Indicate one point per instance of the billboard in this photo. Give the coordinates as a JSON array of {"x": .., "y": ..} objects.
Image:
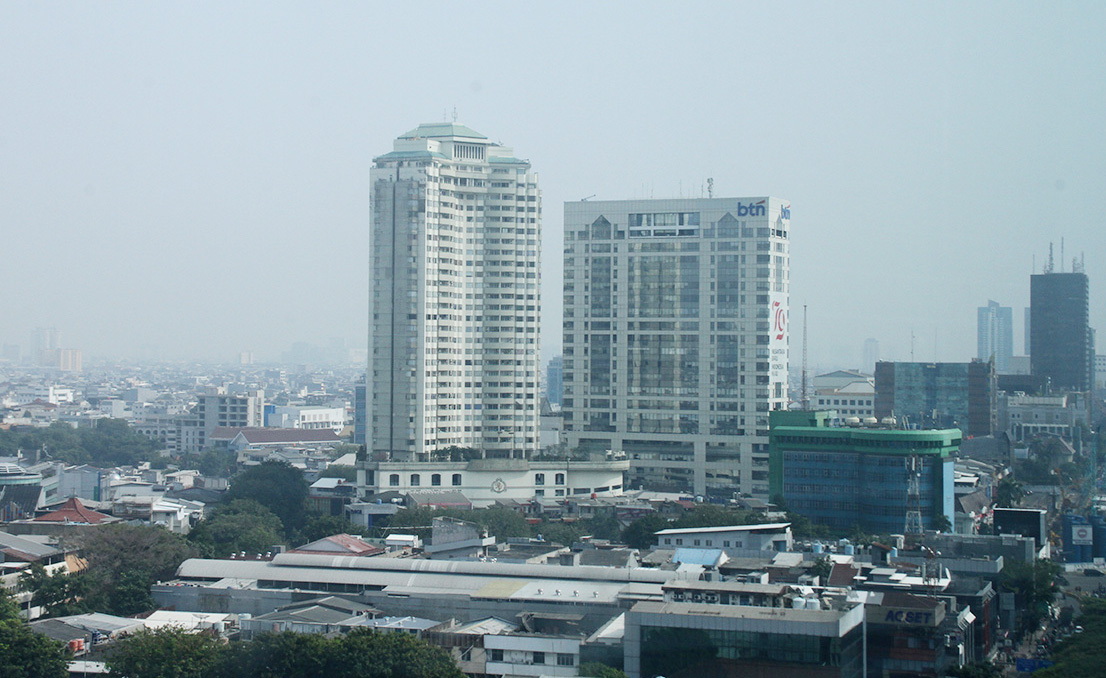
[{"x": 1082, "y": 535}]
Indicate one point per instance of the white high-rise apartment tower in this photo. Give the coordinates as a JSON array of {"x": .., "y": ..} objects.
[
  {"x": 454, "y": 297},
  {"x": 676, "y": 338}
]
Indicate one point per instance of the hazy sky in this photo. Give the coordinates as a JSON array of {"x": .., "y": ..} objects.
[{"x": 190, "y": 179}]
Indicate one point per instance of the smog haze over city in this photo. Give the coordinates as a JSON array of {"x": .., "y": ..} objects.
[{"x": 190, "y": 181}]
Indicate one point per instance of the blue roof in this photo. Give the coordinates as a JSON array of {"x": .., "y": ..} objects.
[
  {"x": 697, "y": 556},
  {"x": 442, "y": 129}
]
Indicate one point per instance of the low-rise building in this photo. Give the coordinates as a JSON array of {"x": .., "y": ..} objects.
[
  {"x": 486, "y": 481},
  {"x": 772, "y": 537}
]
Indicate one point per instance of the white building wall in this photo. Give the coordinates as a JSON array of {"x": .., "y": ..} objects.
[
  {"x": 308, "y": 418},
  {"x": 525, "y": 656},
  {"x": 483, "y": 482}
]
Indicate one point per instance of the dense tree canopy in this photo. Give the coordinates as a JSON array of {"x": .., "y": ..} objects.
[
  {"x": 277, "y": 486},
  {"x": 168, "y": 652},
  {"x": 105, "y": 443},
  {"x": 123, "y": 562},
  {"x": 1034, "y": 586},
  {"x": 1080, "y": 656},
  {"x": 240, "y": 525},
  {"x": 362, "y": 653},
  {"x": 24, "y": 653}
]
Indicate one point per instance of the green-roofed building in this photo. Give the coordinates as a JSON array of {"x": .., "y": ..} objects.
[{"x": 859, "y": 476}]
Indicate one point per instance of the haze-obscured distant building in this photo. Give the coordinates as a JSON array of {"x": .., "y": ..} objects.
[
  {"x": 995, "y": 335},
  {"x": 871, "y": 355},
  {"x": 1062, "y": 340},
  {"x": 938, "y": 395},
  {"x": 554, "y": 380}
]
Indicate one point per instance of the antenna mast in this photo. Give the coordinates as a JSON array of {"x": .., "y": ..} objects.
[
  {"x": 913, "y": 499},
  {"x": 805, "y": 399}
]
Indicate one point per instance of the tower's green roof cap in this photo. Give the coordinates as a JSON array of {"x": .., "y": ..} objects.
[{"x": 433, "y": 130}]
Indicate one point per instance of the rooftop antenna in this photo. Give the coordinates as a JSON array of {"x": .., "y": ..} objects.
[
  {"x": 587, "y": 198},
  {"x": 445, "y": 115},
  {"x": 1061, "y": 254},
  {"x": 913, "y": 499},
  {"x": 911, "y": 345},
  {"x": 454, "y": 114},
  {"x": 710, "y": 194},
  {"x": 1048, "y": 266},
  {"x": 805, "y": 399}
]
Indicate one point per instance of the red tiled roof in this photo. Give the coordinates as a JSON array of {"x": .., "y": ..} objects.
[{"x": 73, "y": 511}]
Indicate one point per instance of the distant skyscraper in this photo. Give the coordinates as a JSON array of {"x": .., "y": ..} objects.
[
  {"x": 871, "y": 355},
  {"x": 1028, "y": 326},
  {"x": 1062, "y": 341},
  {"x": 675, "y": 337},
  {"x": 995, "y": 334},
  {"x": 454, "y": 297},
  {"x": 47, "y": 342},
  {"x": 554, "y": 380}
]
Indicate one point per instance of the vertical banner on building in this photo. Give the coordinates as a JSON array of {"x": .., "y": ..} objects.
[{"x": 778, "y": 316}]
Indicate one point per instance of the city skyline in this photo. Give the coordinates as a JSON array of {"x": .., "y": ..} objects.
[{"x": 178, "y": 191}]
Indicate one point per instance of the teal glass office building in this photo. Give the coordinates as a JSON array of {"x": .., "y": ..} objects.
[{"x": 859, "y": 477}]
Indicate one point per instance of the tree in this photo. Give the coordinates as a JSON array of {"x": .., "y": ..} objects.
[
  {"x": 319, "y": 526},
  {"x": 597, "y": 670},
  {"x": 977, "y": 670},
  {"x": 26, "y": 654},
  {"x": 167, "y": 652},
  {"x": 1034, "y": 586},
  {"x": 212, "y": 462},
  {"x": 58, "y": 594},
  {"x": 822, "y": 568},
  {"x": 1080, "y": 656},
  {"x": 501, "y": 522},
  {"x": 367, "y": 654},
  {"x": 240, "y": 525},
  {"x": 125, "y": 560},
  {"x": 277, "y": 486},
  {"x": 640, "y": 534},
  {"x": 941, "y": 523},
  {"x": 23, "y": 652},
  {"x": 346, "y": 473},
  {"x": 362, "y": 653}
]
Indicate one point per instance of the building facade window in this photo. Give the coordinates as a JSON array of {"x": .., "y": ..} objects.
[
  {"x": 436, "y": 480},
  {"x": 414, "y": 480},
  {"x": 456, "y": 479},
  {"x": 393, "y": 480}
]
